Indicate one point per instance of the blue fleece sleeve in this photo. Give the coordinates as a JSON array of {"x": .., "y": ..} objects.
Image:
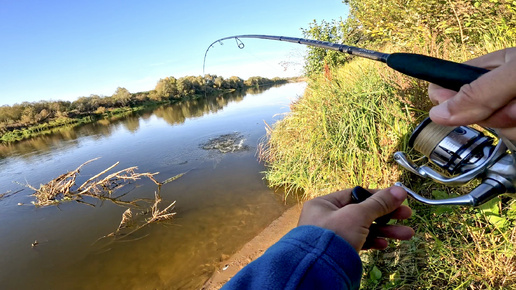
[{"x": 308, "y": 257}]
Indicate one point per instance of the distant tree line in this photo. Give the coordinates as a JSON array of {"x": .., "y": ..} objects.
[{"x": 27, "y": 114}]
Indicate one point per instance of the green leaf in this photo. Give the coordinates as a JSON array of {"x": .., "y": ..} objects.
[
  {"x": 375, "y": 274},
  {"x": 499, "y": 222},
  {"x": 442, "y": 210},
  {"x": 439, "y": 194},
  {"x": 491, "y": 211},
  {"x": 491, "y": 207}
]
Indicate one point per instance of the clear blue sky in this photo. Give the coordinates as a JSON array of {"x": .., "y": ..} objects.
[{"x": 61, "y": 50}]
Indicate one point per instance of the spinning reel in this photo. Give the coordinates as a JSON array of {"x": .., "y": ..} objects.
[{"x": 465, "y": 154}]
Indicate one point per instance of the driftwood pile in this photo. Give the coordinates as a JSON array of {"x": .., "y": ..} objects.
[{"x": 64, "y": 187}]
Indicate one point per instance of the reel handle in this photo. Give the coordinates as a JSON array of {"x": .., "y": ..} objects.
[{"x": 484, "y": 192}]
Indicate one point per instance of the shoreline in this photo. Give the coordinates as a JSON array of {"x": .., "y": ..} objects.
[{"x": 254, "y": 248}]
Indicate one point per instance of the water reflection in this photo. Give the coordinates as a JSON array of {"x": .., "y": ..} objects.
[{"x": 174, "y": 114}]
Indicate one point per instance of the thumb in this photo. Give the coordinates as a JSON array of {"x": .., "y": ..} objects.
[
  {"x": 383, "y": 202},
  {"x": 478, "y": 101}
]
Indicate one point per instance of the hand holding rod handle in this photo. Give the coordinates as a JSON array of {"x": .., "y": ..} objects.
[{"x": 359, "y": 194}]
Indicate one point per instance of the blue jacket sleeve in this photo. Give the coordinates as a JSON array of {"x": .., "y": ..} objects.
[{"x": 308, "y": 257}]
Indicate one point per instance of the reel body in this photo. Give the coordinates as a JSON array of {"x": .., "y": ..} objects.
[{"x": 465, "y": 154}]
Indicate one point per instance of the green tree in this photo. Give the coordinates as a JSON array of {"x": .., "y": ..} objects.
[
  {"x": 167, "y": 87},
  {"x": 406, "y": 22},
  {"x": 122, "y": 96},
  {"x": 337, "y": 31}
]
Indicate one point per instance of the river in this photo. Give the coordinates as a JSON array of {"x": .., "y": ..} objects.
[{"x": 222, "y": 200}]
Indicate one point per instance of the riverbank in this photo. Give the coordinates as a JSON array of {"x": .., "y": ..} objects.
[
  {"x": 27, "y": 120},
  {"x": 254, "y": 248}
]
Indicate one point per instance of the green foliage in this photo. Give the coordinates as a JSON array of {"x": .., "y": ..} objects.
[
  {"x": 338, "y": 31},
  {"x": 402, "y": 22}
]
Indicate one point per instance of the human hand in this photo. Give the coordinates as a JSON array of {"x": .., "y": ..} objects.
[
  {"x": 489, "y": 101},
  {"x": 353, "y": 222}
]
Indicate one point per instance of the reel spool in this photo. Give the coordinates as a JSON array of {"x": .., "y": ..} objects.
[
  {"x": 454, "y": 149},
  {"x": 464, "y": 153}
]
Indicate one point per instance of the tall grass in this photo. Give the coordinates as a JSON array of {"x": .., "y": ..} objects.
[
  {"x": 343, "y": 132},
  {"x": 345, "y": 127}
]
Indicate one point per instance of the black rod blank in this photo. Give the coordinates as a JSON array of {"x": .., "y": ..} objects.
[{"x": 448, "y": 74}]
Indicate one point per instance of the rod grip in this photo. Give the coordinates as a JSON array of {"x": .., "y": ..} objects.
[
  {"x": 359, "y": 194},
  {"x": 447, "y": 74}
]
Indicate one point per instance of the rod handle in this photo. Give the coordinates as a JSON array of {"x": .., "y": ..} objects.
[
  {"x": 359, "y": 194},
  {"x": 447, "y": 74}
]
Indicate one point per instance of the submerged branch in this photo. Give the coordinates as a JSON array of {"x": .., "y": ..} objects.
[
  {"x": 129, "y": 223},
  {"x": 64, "y": 188},
  {"x": 9, "y": 193}
]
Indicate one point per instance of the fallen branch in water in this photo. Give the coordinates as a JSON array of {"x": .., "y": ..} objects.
[
  {"x": 64, "y": 187},
  {"x": 129, "y": 224}
]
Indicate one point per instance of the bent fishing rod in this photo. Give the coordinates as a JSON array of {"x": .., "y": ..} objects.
[
  {"x": 447, "y": 74},
  {"x": 464, "y": 152}
]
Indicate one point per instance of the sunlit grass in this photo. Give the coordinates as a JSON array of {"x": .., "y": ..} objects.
[{"x": 339, "y": 133}]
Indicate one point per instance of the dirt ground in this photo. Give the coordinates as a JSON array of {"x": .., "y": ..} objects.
[{"x": 255, "y": 248}]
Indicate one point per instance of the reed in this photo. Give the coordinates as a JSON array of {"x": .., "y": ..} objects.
[{"x": 341, "y": 133}]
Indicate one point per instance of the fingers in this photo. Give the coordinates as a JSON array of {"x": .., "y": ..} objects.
[
  {"x": 487, "y": 101},
  {"x": 402, "y": 213},
  {"x": 476, "y": 102},
  {"x": 339, "y": 198},
  {"x": 438, "y": 94},
  {"x": 494, "y": 59},
  {"x": 375, "y": 243},
  {"x": 397, "y": 232},
  {"x": 509, "y": 133},
  {"x": 383, "y": 202},
  {"x": 378, "y": 234},
  {"x": 342, "y": 197}
]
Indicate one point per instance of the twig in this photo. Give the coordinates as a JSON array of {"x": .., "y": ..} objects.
[
  {"x": 128, "y": 219},
  {"x": 97, "y": 175}
]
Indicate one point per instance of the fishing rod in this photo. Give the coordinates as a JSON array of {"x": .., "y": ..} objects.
[
  {"x": 447, "y": 74},
  {"x": 463, "y": 152}
]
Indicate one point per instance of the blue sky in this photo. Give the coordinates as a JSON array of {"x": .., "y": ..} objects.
[{"x": 61, "y": 50}]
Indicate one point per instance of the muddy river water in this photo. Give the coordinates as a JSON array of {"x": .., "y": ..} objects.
[{"x": 221, "y": 202}]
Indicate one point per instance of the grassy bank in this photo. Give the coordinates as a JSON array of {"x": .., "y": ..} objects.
[
  {"x": 343, "y": 132},
  {"x": 66, "y": 123}
]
